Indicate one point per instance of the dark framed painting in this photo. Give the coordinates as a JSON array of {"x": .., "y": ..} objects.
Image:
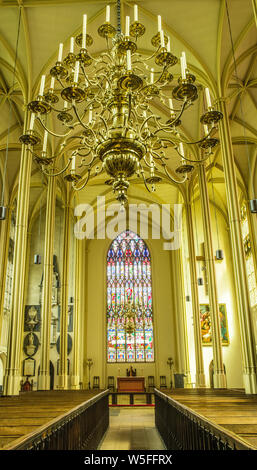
[{"x": 205, "y": 322}]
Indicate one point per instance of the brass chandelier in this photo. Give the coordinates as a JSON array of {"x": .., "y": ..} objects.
[{"x": 105, "y": 106}]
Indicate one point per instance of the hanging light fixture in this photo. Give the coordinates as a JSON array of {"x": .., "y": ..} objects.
[
  {"x": 105, "y": 104},
  {"x": 2, "y": 212},
  {"x": 253, "y": 206},
  {"x": 37, "y": 259}
]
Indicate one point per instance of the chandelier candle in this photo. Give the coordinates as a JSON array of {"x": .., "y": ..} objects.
[
  {"x": 60, "y": 52},
  {"x": 42, "y": 85},
  {"x": 32, "y": 120},
  {"x": 52, "y": 83},
  {"x": 71, "y": 45},
  {"x": 127, "y": 26},
  {"x": 208, "y": 98},
  {"x": 135, "y": 13},
  {"x": 162, "y": 38},
  {"x": 171, "y": 107},
  {"x": 45, "y": 141},
  {"x": 181, "y": 149},
  {"x": 108, "y": 14},
  {"x": 76, "y": 72},
  {"x": 129, "y": 67},
  {"x": 159, "y": 23},
  {"x": 152, "y": 76},
  {"x": 84, "y": 32},
  {"x": 73, "y": 164},
  {"x": 183, "y": 65},
  {"x": 168, "y": 44}
]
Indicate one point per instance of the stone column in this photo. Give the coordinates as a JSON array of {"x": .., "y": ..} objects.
[
  {"x": 75, "y": 378},
  {"x": 200, "y": 376},
  {"x": 181, "y": 325},
  {"x": 44, "y": 374},
  {"x": 4, "y": 248},
  {"x": 13, "y": 367},
  {"x": 243, "y": 301},
  {"x": 219, "y": 373},
  {"x": 255, "y": 10},
  {"x": 63, "y": 378}
]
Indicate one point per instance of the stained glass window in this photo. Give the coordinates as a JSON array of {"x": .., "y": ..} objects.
[
  {"x": 129, "y": 281},
  {"x": 252, "y": 285}
]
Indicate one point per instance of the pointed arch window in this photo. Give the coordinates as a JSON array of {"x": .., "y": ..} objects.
[{"x": 129, "y": 278}]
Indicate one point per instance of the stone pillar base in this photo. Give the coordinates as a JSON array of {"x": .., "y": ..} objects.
[
  {"x": 43, "y": 382},
  {"x": 75, "y": 382},
  {"x": 219, "y": 380},
  {"x": 12, "y": 384},
  {"x": 188, "y": 380},
  {"x": 63, "y": 382},
  {"x": 200, "y": 380},
  {"x": 250, "y": 383}
]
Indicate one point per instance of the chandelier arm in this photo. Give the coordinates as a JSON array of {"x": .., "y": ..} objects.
[
  {"x": 59, "y": 80},
  {"x": 144, "y": 123},
  {"x": 156, "y": 156},
  {"x": 80, "y": 121},
  {"x": 82, "y": 154},
  {"x": 54, "y": 157},
  {"x": 87, "y": 164},
  {"x": 53, "y": 133},
  {"x": 199, "y": 141},
  {"x": 173, "y": 179},
  {"x": 149, "y": 165},
  {"x": 151, "y": 57},
  {"x": 59, "y": 172},
  {"x": 161, "y": 73},
  {"x": 107, "y": 78},
  {"x": 168, "y": 108},
  {"x": 189, "y": 160},
  {"x": 104, "y": 54},
  {"x": 60, "y": 110},
  {"x": 78, "y": 188},
  {"x": 164, "y": 139},
  {"x": 104, "y": 122},
  {"x": 183, "y": 107},
  {"x": 143, "y": 176}
]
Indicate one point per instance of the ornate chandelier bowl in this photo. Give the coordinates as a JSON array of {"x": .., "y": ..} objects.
[
  {"x": 121, "y": 155},
  {"x": 106, "y": 106}
]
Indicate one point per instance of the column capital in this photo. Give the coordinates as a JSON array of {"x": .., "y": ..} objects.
[{"x": 222, "y": 99}]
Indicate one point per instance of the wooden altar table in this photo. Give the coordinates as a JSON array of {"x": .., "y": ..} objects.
[{"x": 131, "y": 384}]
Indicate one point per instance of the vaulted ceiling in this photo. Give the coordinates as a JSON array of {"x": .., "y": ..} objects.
[{"x": 205, "y": 30}]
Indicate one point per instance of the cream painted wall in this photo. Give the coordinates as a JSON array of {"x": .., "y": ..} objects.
[{"x": 164, "y": 325}]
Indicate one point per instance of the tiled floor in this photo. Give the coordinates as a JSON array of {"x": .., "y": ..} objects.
[{"x": 132, "y": 428}]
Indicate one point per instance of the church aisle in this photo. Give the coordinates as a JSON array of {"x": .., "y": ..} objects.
[{"x": 132, "y": 428}]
